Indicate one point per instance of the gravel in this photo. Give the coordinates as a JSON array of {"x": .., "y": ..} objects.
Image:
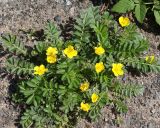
[{"x": 144, "y": 111}]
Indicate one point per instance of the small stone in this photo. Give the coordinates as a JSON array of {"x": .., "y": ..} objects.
[
  {"x": 72, "y": 10},
  {"x": 59, "y": 1},
  {"x": 57, "y": 18},
  {"x": 150, "y": 125},
  {"x": 152, "y": 110},
  {"x": 68, "y": 2},
  {"x": 124, "y": 78}
]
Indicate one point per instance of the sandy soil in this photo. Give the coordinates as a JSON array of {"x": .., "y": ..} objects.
[{"x": 144, "y": 111}]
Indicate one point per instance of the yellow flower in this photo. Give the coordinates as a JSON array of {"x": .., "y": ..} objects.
[
  {"x": 40, "y": 70},
  {"x": 99, "y": 50},
  {"x": 94, "y": 97},
  {"x": 85, "y": 106},
  {"x": 99, "y": 67},
  {"x": 117, "y": 69},
  {"x": 124, "y": 21},
  {"x": 51, "y": 59},
  {"x": 70, "y": 52},
  {"x": 84, "y": 86},
  {"x": 51, "y": 51},
  {"x": 150, "y": 59}
]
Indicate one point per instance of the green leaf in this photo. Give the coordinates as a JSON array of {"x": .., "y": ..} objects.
[
  {"x": 27, "y": 92},
  {"x": 121, "y": 106},
  {"x": 60, "y": 71},
  {"x": 93, "y": 15},
  {"x": 30, "y": 99},
  {"x": 123, "y": 6},
  {"x": 31, "y": 84},
  {"x": 19, "y": 67},
  {"x": 128, "y": 90},
  {"x": 13, "y": 45},
  {"x": 40, "y": 47},
  {"x": 92, "y": 114},
  {"x": 53, "y": 35},
  {"x": 57, "y": 117},
  {"x": 140, "y": 12},
  {"x": 157, "y": 16},
  {"x": 143, "y": 66},
  {"x": 157, "y": 7}
]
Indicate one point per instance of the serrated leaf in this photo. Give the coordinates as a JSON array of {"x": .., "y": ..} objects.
[
  {"x": 31, "y": 84},
  {"x": 157, "y": 16},
  {"x": 28, "y": 92},
  {"x": 13, "y": 45},
  {"x": 121, "y": 107},
  {"x": 123, "y": 6},
  {"x": 140, "y": 12},
  {"x": 57, "y": 117},
  {"x": 19, "y": 67},
  {"x": 30, "y": 99}
]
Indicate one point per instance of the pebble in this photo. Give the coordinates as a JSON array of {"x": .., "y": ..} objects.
[
  {"x": 72, "y": 10},
  {"x": 124, "y": 78},
  {"x": 57, "y": 18},
  {"x": 150, "y": 125},
  {"x": 60, "y": 1},
  {"x": 152, "y": 110},
  {"x": 68, "y": 2}
]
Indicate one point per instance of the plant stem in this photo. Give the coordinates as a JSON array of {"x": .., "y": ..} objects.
[
  {"x": 148, "y": 3},
  {"x": 145, "y": 3}
]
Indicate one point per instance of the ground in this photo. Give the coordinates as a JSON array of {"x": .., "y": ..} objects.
[{"x": 16, "y": 15}]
